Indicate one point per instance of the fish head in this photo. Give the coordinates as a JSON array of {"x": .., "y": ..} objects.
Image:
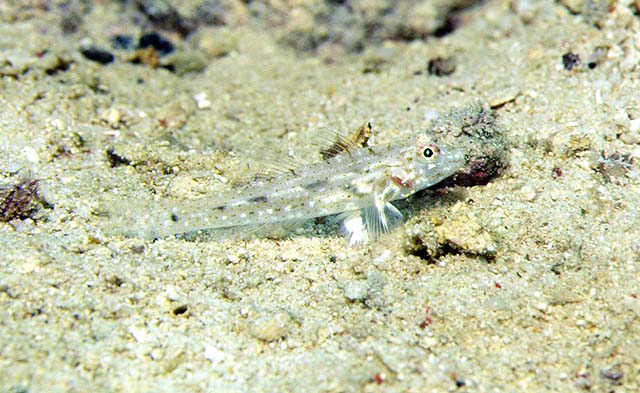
[{"x": 433, "y": 162}]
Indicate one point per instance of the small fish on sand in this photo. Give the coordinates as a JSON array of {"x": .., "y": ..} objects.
[{"x": 353, "y": 180}]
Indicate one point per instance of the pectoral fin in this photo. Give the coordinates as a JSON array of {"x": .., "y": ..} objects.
[{"x": 369, "y": 223}]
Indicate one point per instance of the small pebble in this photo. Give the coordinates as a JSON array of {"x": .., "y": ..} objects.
[
  {"x": 97, "y": 54},
  {"x": 181, "y": 309},
  {"x": 466, "y": 235},
  {"x": 116, "y": 159},
  {"x": 31, "y": 154},
  {"x": 570, "y": 61},
  {"x": 113, "y": 117},
  {"x": 122, "y": 42},
  {"x": 184, "y": 62},
  {"x": 157, "y": 42},
  {"x": 528, "y": 193},
  {"x": 597, "y": 57},
  {"x": 163, "y": 14},
  {"x": 139, "y": 334},
  {"x": 272, "y": 327},
  {"x": 213, "y": 354},
  {"x": 233, "y": 259},
  {"x": 356, "y": 290},
  {"x": 202, "y": 101},
  {"x": 13, "y": 168},
  {"x": 502, "y": 96},
  {"x": 171, "y": 293},
  {"x": 441, "y": 66},
  {"x": 614, "y": 374}
]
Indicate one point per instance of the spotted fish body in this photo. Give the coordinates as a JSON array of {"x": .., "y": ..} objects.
[{"x": 359, "y": 183}]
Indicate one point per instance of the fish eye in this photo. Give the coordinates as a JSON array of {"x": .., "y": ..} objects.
[{"x": 429, "y": 152}]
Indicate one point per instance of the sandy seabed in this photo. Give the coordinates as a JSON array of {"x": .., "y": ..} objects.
[{"x": 534, "y": 286}]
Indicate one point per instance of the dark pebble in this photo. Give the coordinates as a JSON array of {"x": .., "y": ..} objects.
[
  {"x": 180, "y": 309},
  {"x": 614, "y": 374},
  {"x": 122, "y": 42},
  {"x": 165, "y": 16},
  {"x": 155, "y": 40},
  {"x": 441, "y": 66},
  {"x": 570, "y": 61},
  {"x": 96, "y": 54},
  {"x": 116, "y": 159},
  {"x": 449, "y": 26}
]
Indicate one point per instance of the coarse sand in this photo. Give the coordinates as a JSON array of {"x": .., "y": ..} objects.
[{"x": 529, "y": 282}]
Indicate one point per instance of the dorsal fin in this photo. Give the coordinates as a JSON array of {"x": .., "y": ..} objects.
[
  {"x": 347, "y": 143},
  {"x": 339, "y": 144}
]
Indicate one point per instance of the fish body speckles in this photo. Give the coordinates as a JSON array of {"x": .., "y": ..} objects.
[{"x": 358, "y": 183}]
